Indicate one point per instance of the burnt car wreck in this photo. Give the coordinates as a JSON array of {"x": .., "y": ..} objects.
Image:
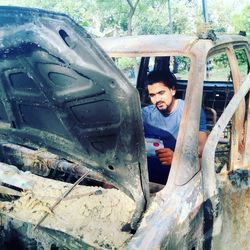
[{"x": 73, "y": 170}]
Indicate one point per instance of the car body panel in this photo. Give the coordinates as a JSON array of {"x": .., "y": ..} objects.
[
  {"x": 193, "y": 210},
  {"x": 59, "y": 91},
  {"x": 145, "y": 45}
]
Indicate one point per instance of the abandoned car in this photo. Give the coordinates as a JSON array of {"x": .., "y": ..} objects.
[{"x": 73, "y": 168}]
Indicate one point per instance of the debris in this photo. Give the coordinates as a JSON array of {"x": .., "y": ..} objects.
[{"x": 61, "y": 198}]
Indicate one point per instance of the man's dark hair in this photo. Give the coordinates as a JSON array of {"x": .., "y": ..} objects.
[{"x": 166, "y": 77}]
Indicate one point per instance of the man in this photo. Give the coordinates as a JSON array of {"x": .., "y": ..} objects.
[{"x": 162, "y": 121}]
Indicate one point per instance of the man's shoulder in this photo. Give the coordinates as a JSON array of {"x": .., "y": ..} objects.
[
  {"x": 150, "y": 114},
  {"x": 149, "y": 107},
  {"x": 181, "y": 102},
  {"x": 179, "y": 108}
]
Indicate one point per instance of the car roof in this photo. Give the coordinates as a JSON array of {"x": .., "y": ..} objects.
[{"x": 159, "y": 45}]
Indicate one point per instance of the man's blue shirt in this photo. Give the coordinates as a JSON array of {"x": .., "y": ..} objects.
[
  {"x": 166, "y": 128},
  {"x": 156, "y": 172},
  {"x": 171, "y": 122}
]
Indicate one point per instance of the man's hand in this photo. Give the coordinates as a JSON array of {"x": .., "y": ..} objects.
[{"x": 165, "y": 155}]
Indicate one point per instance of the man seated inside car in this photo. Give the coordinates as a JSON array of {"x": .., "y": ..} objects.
[{"x": 161, "y": 124}]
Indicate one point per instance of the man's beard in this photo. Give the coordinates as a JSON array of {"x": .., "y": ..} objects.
[{"x": 163, "y": 111}]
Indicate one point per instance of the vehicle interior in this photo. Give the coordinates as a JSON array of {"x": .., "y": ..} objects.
[
  {"x": 225, "y": 162},
  {"x": 218, "y": 88}
]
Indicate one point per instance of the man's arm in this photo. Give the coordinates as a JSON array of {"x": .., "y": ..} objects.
[
  {"x": 202, "y": 135},
  {"x": 202, "y": 138},
  {"x": 165, "y": 155}
]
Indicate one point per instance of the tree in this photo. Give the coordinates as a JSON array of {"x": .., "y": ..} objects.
[
  {"x": 120, "y": 17},
  {"x": 241, "y": 22},
  {"x": 131, "y": 14},
  {"x": 170, "y": 17}
]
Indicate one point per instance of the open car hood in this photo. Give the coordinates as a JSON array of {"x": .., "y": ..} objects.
[{"x": 60, "y": 92}]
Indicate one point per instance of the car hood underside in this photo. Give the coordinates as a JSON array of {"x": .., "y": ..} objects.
[{"x": 60, "y": 93}]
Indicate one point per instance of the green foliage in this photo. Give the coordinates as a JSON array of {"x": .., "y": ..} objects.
[
  {"x": 75, "y": 9},
  {"x": 220, "y": 61},
  {"x": 112, "y": 14},
  {"x": 110, "y": 17},
  {"x": 241, "y": 57},
  {"x": 183, "y": 64},
  {"x": 152, "y": 17},
  {"x": 241, "y": 22},
  {"x": 124, "y": 63}
]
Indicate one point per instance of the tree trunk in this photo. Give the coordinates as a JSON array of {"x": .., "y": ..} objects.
[
  {"x": 130, "y": 18},
  {"x": 170, "y": 18},
  {"x": 131, "y": 14}
]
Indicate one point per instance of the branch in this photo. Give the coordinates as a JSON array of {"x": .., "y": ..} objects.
[
  {"x": 130, "y": 4},
  {"x": 133, "y": 7}
]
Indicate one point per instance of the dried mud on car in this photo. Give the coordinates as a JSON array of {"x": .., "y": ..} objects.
[{"x": 86, "y": 213}]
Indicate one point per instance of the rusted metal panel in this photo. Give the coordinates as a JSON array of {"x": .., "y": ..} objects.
[
  {"x": 166, "y": 225},
  {"x": 146, "y": 45},
  {"x": 159, "y": 218},
  {"x": 235, "y": 207},
  {"x": 160, "y": 45},
  {"x": 237, "y": 132}
]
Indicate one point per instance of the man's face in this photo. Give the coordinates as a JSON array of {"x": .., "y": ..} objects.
[{"x": 161, "y": 96}]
